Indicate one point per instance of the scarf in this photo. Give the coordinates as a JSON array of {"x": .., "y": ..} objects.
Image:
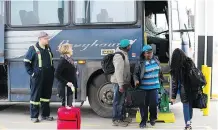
[{"x": 69, "y": 59}]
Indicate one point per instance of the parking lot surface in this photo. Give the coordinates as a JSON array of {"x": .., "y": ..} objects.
[{"x": 16, "y": 116}]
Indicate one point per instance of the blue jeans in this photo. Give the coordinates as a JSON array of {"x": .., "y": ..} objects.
[
  {"x": 188, "y": 113},
  {"x": 118, "y": 103}
]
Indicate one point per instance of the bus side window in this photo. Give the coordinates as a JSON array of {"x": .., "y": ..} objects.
[
  {"x": 1, "y": 12},
  {"x": 104, "y": 12},
  {"x": 34, "y": 13}
]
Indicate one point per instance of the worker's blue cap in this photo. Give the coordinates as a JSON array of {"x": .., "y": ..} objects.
[
  {"x": 147, "y": 48},
  {"x": 124, "y": 43}
]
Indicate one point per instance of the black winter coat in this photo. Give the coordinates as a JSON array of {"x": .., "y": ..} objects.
[
  {"x": 65, "y": 72},
  {"x": 183, "y": 80}
]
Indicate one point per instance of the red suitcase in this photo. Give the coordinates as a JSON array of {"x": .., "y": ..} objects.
[{"x": 69, "y": 117}]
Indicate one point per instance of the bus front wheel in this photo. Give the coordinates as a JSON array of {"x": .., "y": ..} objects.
[{"x": 100, "y": 95}]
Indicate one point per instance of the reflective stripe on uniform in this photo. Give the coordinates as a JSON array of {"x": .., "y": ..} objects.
[
  {"x": 26, "y": 60},
  {"x": 44, "y": 100},
  {"x": 34, "y": 103},
  {"x": 50, "y": 56},
  {"x": 39, "y": 56}
]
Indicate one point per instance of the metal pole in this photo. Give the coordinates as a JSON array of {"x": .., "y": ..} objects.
[
  {"x": 170, "y": 38},
  {"x": 205, "y": 24}
]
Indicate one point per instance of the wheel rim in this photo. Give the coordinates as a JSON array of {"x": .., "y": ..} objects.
[{"x": 106, "y": 94}]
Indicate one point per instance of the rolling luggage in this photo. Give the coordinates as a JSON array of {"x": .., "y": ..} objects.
[{"x": 68, "y": 117}]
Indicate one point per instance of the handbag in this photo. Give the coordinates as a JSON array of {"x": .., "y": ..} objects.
[
  {"x": 135, "y": 97},
  {"x": 200, "y": 101}
]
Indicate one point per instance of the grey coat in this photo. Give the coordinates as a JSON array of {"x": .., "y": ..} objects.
[{"x": 122, "y": 73}]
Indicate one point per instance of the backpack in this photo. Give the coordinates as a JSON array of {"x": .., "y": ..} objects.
[
  {"x": 107, "y": 63},
  {"x": 196, "y": 78}
]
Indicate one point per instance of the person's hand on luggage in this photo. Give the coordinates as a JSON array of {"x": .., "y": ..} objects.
[
  {"x": 121, "y": 89},
  {"x": 69, "y": 84},
  {"x": 73, "y": 89},
  {"x": 137, "y": 83},
  {"x": 173, "y": 101}
]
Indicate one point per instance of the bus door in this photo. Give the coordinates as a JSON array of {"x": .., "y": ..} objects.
[
  {"x": 182, "y": 35},
  {"x": 1, "y": 32}
]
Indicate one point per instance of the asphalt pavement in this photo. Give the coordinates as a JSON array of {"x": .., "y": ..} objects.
[{"x": 16, "y": 116}]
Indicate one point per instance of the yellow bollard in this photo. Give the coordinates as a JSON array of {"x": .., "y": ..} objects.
[
  {"x": 207, "y": 90},
  {"x": 204, "y": 67}
]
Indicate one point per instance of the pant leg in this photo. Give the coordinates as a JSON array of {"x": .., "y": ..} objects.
[
  {"x": 69, "y": 100},
  {"x": 46, "y": 91},
  {"x": 35, "y": 93},
  {"x": 153, "y": 102},
  {"x": 144, "y": 109},
  {"x": 63, "y": 100},
  {"x": 121, "y": 107},
  {"x": 186, "y": 113},
  {"x": 115, "y": 102},
  {"x": 190, "y": 110},
  {"x": 118, "y": 103}
]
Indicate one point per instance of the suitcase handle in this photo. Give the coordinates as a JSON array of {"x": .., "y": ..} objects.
[{"x": 74, "y": 96}]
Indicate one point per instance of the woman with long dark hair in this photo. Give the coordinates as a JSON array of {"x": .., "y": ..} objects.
[{"x": 180, "y": 68}]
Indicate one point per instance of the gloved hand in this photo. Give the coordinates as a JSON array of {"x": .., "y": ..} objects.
[{"x": 73, "y": 89}]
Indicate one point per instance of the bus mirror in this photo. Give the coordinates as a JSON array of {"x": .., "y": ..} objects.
[{"x": 61, "y": 15}]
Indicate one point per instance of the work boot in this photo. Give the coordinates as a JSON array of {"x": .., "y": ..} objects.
[
  {"x": 35, "y": 120},
  {"x": 122, "y": 123},
  {"x": 115, "y": 123},
  {"x": 48, "y": 118},
  {"x": 128, "y": 120}
]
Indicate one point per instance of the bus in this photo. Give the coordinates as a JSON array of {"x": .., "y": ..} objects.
[{"x": 94, "y": 28}]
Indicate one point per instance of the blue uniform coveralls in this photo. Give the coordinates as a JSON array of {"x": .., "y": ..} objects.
[{"x": 39, "y": 65}]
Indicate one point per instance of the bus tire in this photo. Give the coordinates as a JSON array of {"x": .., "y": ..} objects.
[{"x": 99, "y": 88}]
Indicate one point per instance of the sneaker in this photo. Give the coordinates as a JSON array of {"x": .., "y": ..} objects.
[
  {"x": 35, "y": 120},
  {"x": 48, "y": 118},
  {"x": 188, "y": 128},
  {"x": 115, "y": 123},
  {"x": 142, "y": 125},
  {"x": 128, "y": 120},
  {"x": 122, "y": 123}
]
